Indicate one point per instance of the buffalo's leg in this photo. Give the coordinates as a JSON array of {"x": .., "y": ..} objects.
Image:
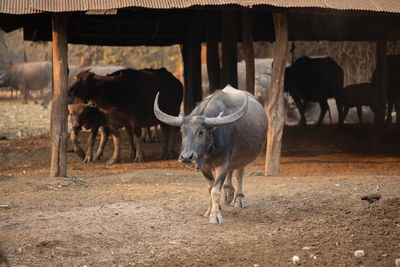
[
  {"x": 89, "y": 153},
  {"x": 239, "y": 197},
  {"x": 324, "y": 108},
  {"x": 75, "y": 143},
  {"x": 359, "y": 114},
  {"x": 220, "y": 173},
  {"x": 154, "y": 134},
  {"x": 138, "y": 143},
  {"x": 229, "y": 190},
  {"x": 24, "y": 92},
  {"x": 116, "y": 157},
  {"x": 132, "y": 148},
  {"x": 389, "y": 113},
  {"x": 397, "y": 107},
  {"x": 210, "y": 179},
  {"x": 345, "y": 111},
  {"x": 301, "y": 108},
  {"x": 165, "y": 130},
  {"x": 104, "y": 134}
]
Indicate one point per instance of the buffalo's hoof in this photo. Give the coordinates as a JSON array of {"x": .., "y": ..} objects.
[
  {"x": 112, "y": 161},
  {"x": 229, "y": 193},
  {"x": 240, "y": 202},
  {"x": 87, "y": 159},
  {"x": 216, "y": 218}
]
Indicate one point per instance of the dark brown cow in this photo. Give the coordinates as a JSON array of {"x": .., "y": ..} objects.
[{"x": 126, "y": 98}]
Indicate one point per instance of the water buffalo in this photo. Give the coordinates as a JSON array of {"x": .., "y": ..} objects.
[
  {"x": 28, "y": 76},
  {"x": 215, "y": 136},
  {"x": 357, "y": 95},
  {"x": 313, "y": 79},
  {"x": 126, "y": 98},
  {"x": 393, "y": 86}
]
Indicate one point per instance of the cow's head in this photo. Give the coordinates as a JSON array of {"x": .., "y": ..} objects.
[
  {"x": 77, "y": 114},
  {"x": 196, "y": 131},
  {"x": 85, "y": 87},
  {"x": 5, "y": 79}
]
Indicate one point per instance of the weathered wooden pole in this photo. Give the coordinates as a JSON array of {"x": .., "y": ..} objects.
[
  {"x": 381, "y": 71},
  {"x": 192, "y": 66},
  {"x": 59, "y": 131},
  {"x": 247, "y": 29},
  {"x": 229, "y": 26},
  {"x": 275, "y": 106},
  {"x": 213, "y": 65}
]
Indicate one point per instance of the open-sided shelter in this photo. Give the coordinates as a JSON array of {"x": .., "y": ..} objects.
[{"x": 190, "y": 22}]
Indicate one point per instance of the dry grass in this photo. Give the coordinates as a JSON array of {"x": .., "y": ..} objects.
[{"x": 18, "y": 120}]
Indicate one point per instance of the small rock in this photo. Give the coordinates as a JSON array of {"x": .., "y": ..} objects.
[
  {"x": 397, "y": 262},
  {"x": 312, "y": 256},
  {"x": 359, "y": 253},
  {"x": 296, "y": 260},
  {"x": 19, "y": 250}
]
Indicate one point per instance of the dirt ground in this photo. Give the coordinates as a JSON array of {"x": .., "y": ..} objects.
[{"x": 151, "y": 213}]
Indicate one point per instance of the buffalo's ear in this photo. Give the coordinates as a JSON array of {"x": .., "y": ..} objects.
[{"x": 88, "y": 75}]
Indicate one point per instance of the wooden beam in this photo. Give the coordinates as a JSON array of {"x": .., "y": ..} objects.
[
  {"x": 247, "y": 29},
  {"x": 275, "y": 106},
  {"x": 59, "y": 132},
  {"x": 191, "y": 53},
  {"x": 381, "y": 71},
  {"x": 229, "y": 26},
  {"x": 213, "y": 65}
]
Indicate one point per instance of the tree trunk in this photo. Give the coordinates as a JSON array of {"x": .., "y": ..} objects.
[
  {"x": 59, "y": 132},
  {"x": 275, "y": 106},
  {"x": 247, "y": 28},
  {"x": 191, "y": 53},
  {"x": 229, "y": 47},
  {"x": 213, "y": 65},
  {"x": 381, "y": 71}
]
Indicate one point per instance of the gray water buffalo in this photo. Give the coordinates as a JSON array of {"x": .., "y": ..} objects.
[
  {"x": 126, "y": 98},
  {"x": 224, "y": 133},
  {"x": 28, "y": 77},
  {"x": 357, "y": 95},
  {"x": 313, "y": 79}
]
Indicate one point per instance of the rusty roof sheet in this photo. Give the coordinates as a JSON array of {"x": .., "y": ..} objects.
[{"x": 38, "y": 6}]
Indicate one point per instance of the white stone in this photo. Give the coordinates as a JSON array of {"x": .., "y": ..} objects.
[
  {"x": 359, "y": 253},
  {"x": 296, "y": 260},
  {"x": 397, "y": 262}
]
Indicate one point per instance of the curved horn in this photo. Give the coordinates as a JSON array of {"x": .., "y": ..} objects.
[
  {"x": 165, "y": 118},
  {"x": 231, "y": 118}
]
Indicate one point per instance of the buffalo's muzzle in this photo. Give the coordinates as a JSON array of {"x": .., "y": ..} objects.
[{"x": 188, "y": 157}]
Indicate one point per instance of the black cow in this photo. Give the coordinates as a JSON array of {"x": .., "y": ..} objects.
[
  {"x": 313, "y": 79},
  {"x": 126, "y": 98}
]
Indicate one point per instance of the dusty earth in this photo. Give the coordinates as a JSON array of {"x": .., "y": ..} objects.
[{"x": 151, "y": 213}]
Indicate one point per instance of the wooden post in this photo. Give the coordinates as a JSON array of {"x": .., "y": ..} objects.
[
  {"x": 192, "y": 66},
  {"x": 59, "y": 134},
  {"x": 247, "y": 29},
  {"x": 213, "y": 65},
  {"x": 229, "y": 28},
  {"x": 381, "y": 71},
  {"x": 275, "y": 106}
]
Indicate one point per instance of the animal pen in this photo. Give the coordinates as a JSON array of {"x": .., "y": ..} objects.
[{"x": 190, "y": 23}]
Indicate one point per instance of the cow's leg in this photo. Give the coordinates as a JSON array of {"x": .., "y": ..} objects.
[
  {"x": 340, "y": 112},
  {"x": 154, "y": 134},
  {"x": 359, "y": 114},
  {"x": 229, "y": 190},
  {"x": 239, "y": 197},
  {"x": 92, "y": 138},
  {"x": 345, "y": 111},
  {"x": 220, "y": 172},
  {"x": 138, "y": 143},
  {"x": 210, "y": 179},
  {"x": 132, "y": 147},
  {"x": 165, "y": 129},
  {"x": 116, "y": 157},
  {"x": 104, "y": 134},
  {"x": 324, "y": 108},
  {"x": 75, "y": 143},
  {"x": 397, "y": 107}
]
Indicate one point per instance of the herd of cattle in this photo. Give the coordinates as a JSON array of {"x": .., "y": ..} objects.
[
  {"x": 108, "y": 98},
  {"x": 215, "y": 134}
]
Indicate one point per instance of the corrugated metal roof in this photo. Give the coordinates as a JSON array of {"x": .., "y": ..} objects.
[{"x": 37, "y": 6}]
